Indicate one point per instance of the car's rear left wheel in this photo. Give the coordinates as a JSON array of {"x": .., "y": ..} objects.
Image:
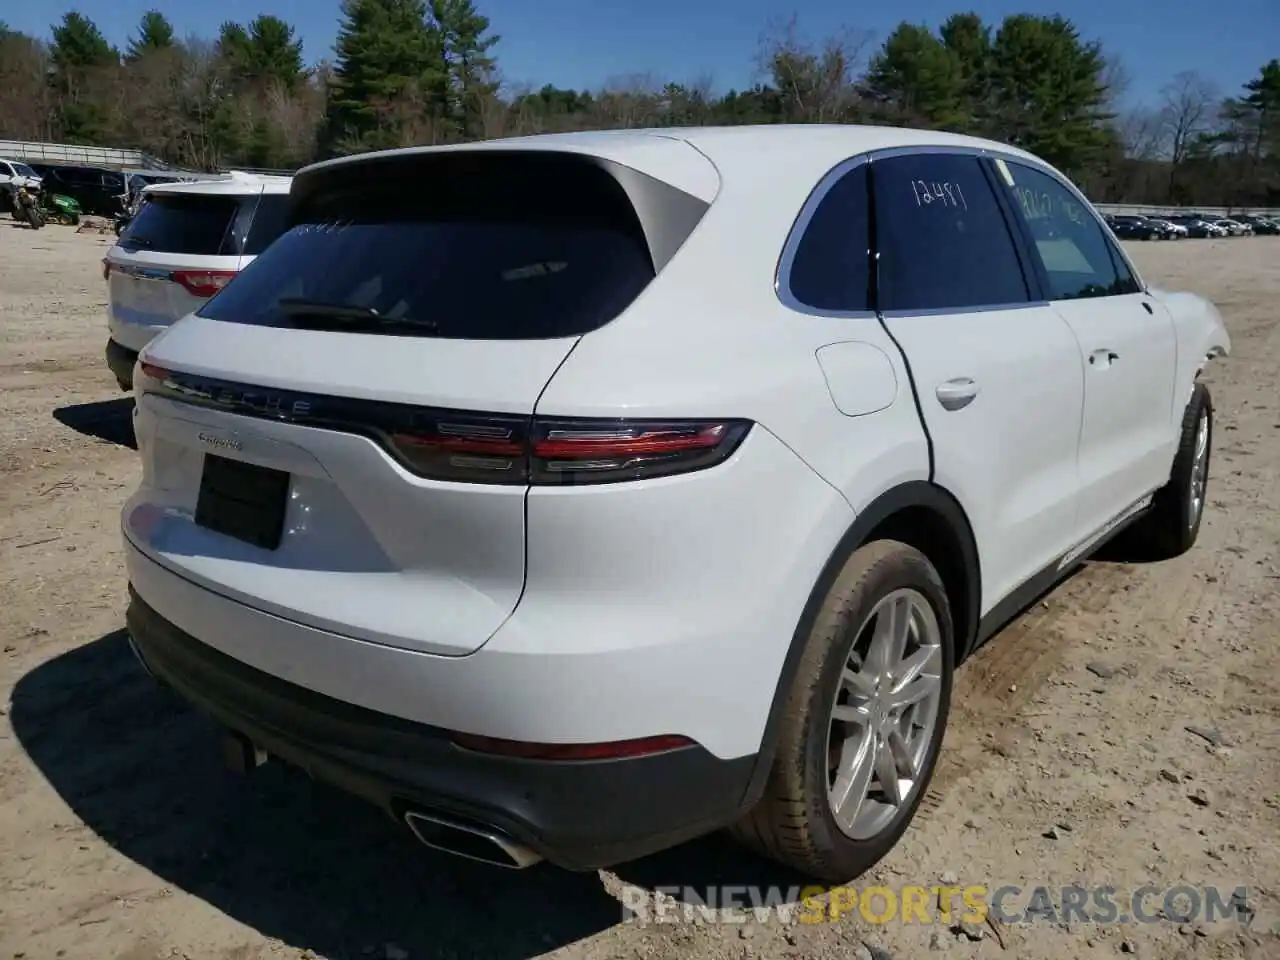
[{"x": 864, "y": 718}]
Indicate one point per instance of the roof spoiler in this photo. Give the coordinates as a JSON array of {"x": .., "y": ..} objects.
[{"x": 667, "y": 214}]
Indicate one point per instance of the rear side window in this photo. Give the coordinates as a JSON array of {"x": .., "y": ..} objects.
[
  {"x": 1079, "y": 259},
  {"x": 199, "y": 224},
  {"x": 943, "y": 240},
  {"x": 476, "y": 248},
  {"x": 831, "y": 269},
  {"x": 267, "y": 222}
]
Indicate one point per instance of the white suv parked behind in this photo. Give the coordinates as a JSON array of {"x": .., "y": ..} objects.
[
  {"x": 575, "y": 495},
  {"x": 186, "y": 241}
]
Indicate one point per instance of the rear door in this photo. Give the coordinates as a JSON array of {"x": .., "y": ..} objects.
[
  {"x": 1126, "y": 340},
  {"x": 997, "y": 373},
  {"x": 385, "y": 355},
  {"x": 178, "y": 251}
]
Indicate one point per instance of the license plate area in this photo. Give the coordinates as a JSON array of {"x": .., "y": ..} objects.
[
  {"x": 242, "y": 500},
  {"x": 149, "y": 295}
]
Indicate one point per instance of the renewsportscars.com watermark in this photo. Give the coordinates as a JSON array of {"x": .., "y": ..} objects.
[{"x": 940, "y": 904}]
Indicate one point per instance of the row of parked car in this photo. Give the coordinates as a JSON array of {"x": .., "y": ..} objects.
[{"x": 1176, "y": 226}]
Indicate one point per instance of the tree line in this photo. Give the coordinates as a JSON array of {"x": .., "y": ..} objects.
[{"x": 410, "y": 72}]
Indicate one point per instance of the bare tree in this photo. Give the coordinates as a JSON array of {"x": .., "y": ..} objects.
[
  {"x": 26, "y": 103},
  {"x": 1116, "y": 79},
  {"x": 629, "y": 101},
  {"x": 295, "y": 117},
  {"x": 1189, "y": 105},
  {"x": 1142, "y": 131},
  {"x": 815, "y": 81}
]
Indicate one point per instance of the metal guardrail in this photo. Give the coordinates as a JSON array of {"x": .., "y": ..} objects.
[
  {"x": 69, "y": 153},
  {"x": 113, "y": 158}
]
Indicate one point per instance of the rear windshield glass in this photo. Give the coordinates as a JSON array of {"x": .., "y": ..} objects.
[
  {"x": 502, "y": 251},
  {"x": 200, "y": 224}
]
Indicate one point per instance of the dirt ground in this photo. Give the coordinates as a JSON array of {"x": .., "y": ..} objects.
[{"x": 1068, "y": 761}]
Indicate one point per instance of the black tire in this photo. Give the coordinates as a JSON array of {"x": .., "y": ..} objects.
[
  {"x": 793, "y": 822},
  {"x": 1169, "y": 530}
]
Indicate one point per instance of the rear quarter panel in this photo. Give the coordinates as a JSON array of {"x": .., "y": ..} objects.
[{"x": 1201, "y": 336}]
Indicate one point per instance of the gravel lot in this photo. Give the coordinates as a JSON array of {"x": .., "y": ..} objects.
[{"x": 1068, "y": 760}]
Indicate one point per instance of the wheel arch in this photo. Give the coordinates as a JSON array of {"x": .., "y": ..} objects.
[{"x": 920, "y": 513}]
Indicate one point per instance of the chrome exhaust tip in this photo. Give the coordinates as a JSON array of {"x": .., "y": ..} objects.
[{"x": 471, "y": 841}]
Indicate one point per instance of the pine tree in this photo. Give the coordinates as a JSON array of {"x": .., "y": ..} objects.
[
  {"x": 155, "y": 33},
  {"x": 918, "y": 79},
  {"x": 79, "y": 44},
  {"x": 264, "y": 52},
  {"x": 1048, "y": 91},
  {"x": 468, "y": 67},
  {"x": 389, "y": 63},
  {"x": 78, "y": 50}
]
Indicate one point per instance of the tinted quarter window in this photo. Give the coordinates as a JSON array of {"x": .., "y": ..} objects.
[
  {"x": 267, "y": 223},
  {"x": 831, "y": 269},
  {"x": 1073, "y": 246},
  {"x": 177, "y": 223},
  {"x": 943, "y": 241}
]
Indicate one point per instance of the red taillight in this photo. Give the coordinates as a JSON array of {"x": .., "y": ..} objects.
[
  {"x": 465, "y": 448},
  {"x": 203, "y": 283},
  {"x": 560, "y": 451},
  {"x": 576, "y": 451},
  {"x": 152, "y": 372},
  {"x": 572, "y": 751}
]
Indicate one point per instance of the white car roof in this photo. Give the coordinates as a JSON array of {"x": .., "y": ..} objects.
[
  {"x": 746, "y": 152},
  {"x": 234, "y": 183}
]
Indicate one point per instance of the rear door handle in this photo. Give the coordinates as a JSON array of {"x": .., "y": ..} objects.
[
  {"x": 956, "y": 393},
  {"x": 1103, "y": 358}
]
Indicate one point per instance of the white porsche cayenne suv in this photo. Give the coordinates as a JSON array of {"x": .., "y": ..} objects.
[{"x": 572, "y": 496}]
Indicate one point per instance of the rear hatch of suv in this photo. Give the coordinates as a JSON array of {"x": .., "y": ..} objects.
[
  {"x": 340, "y": 437},
  {"x": 181, "y": 249}
]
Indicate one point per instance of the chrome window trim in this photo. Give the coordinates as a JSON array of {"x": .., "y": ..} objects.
[
  {"x": 947, "y": 311},
  {"x": 782, "y": 274}
]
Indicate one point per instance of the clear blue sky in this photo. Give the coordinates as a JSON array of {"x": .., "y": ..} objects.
[{"x": 581, "y": 43}]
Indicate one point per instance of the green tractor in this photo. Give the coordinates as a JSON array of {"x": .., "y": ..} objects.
[{"x": 58, "y": 208}]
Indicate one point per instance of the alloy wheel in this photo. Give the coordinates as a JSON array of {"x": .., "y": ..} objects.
[{"x": 885, "y": 716}]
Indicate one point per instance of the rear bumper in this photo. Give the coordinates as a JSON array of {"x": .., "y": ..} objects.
[
  {"x": 120, "y": 361},
  {"x": 579, "y": 815}
]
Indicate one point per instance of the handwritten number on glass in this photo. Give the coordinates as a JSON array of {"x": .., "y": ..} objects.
[{"x": 944, "y": 193}]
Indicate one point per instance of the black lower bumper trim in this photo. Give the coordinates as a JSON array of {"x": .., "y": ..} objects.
[
  {"x": 120, "y": 361},
  {"x": 579, "y": 815}
]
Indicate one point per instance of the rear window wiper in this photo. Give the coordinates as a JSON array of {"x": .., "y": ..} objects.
[{"x": 322, "y": 315}]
